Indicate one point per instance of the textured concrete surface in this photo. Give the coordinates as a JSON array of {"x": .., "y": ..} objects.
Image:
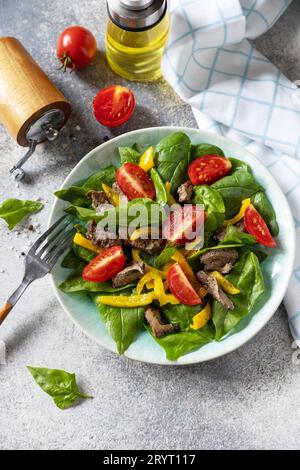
[{"x": 247, "y": 400}]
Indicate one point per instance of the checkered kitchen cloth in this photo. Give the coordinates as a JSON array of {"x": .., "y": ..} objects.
[{"x": 235, "y": 91}]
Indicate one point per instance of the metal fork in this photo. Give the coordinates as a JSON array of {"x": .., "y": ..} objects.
[{"x": 41, "y": 258}]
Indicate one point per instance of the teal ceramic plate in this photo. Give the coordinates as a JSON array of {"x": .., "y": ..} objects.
[{"x": 277, "y": 268}]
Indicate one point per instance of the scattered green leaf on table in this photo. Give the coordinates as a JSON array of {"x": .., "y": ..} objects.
[
  {"x": 59, "y": 384},
  {"x": 14, "y": 210}
]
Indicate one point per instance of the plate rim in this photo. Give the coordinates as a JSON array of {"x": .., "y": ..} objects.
[{"x": 254, "y": 330}]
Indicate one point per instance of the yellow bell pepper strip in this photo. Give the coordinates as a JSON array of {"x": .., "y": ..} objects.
[
  {"x": 80, "y": 240},
  {"x": 111, "y": 195},
  {"x": 202, "y": 292},
  {"x": 171, "y": 199},
  {"x": 201, "y": 318},
  {"x": 127, "y": 301},
  {"x": 136, "y": 257},
  {"x": 150, "y": 285},
  {"x": 240, "y": 215},
  {"x": 159, "y": 291},
  {"x": 141, "y": 232},
  {"x": 180, "y": 259},
  {"x": 225, "y": 284},
  {"x": 147, "y": 159}
]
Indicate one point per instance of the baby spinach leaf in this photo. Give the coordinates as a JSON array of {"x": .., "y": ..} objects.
[
  {"x": 213, "y": 204},
  {"x": 71, "y": 261},
  {"x": 75, "y": 195},
  {"x": 180, "y": 314},
  {"x": 77, "y": 284},
  {"x": 161, "y": 192},
  {"x": 239, "y": 165},
  {"x": 179, "y": 344},
  {"x": 246, "y": 275},
  {"x": 129, "y": 154},
  {"x": 235, "y": 236},
  {"x": 200, "y": 150},
  {"x": 173, "y": 153},
  {"x": 165, "y": 256},
  {"x": 265, "y": 208},
  {"x": 123, "y": 324},
  {"x": 83, "y": 253},
  {"x": 105, "y": 175},
  {"x": 234, "y": 188},
  {"x": 59, "y": 384},
  {"x": 14, "y": 210}
]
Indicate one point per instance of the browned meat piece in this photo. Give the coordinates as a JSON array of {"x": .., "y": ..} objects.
[
  {"x": 219, "y": 260},
  {"x": 101, "y": 237},
  {"x": 158, "y": 328},
  {"x": 211, "y": 285},
  {"x": 221, "y": 232},
  {"x": 149, "y": 246},
  {"x": 131, "y": 273},
  {"x": 116, "y": 188},
  {"x": 99, "y": 201},
  {"x": 185, "y": 192}
]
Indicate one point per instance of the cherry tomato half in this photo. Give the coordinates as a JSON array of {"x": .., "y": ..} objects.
[
  {"x": 257, "y": 227},
  {"x": 114, "y": 105},
  {"x": 105, "y": 266},
  {"x": 135, "y": 182},
  {"x": 208, "y": 169},
  {"x": 181, "y": 287},
  {"x": 184, "y": 225},
  {"x": 76, "y": 48}
]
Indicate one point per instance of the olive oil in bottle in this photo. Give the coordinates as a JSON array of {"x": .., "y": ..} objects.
[{"x": 136, "y": 36}]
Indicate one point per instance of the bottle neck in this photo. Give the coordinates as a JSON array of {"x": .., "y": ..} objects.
[{"x": 136, "y": 19}]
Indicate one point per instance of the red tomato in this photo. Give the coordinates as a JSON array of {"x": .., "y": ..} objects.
[
  {"x": 135, "y": 182},
  {"x": 208, "y": 169},
  {"x": 114, "y": 105},
  {"x": 105, "y": 266},
  {"x": 180, "y": 225},
  {"x": 181, "y": 287},
  {"x": 257, "y": 227},
  {"x": 76, "y": 48}
]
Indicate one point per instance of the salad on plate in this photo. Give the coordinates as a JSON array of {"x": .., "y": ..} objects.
[{"x": 171, "y": 241}]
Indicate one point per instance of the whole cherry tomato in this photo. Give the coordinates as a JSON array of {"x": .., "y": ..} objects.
[{"x": 76, "y": 48}]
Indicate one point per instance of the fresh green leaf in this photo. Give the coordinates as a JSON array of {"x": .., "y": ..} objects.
[
  {"x": 83, "y": 253},
  {"x": 235, "y": 236},
  {"x": 179, "y": 344},
  {"x": 239, "y": 165},
  {"x": 265, "y": 208},
  {"x": 213, "y": 204},
  {"x": 14, "y": 210},
  {"x": 59, "y": 384},
  {"x": 75, "y": 195},
  {"x": 71, "y": 261},
  {"x": 165, "y": 256},
  {"x": 77, "y": 284},
  {"x": 129, "y": 154},
  {"x": 105, "y": 175},
  {"x": 161, "y": 192},
  {"x": 180, "y": 314},
  {"x": 246, "y": 275},
  {"x": 200, "y": 150},
  {"x": 234, "y": 188},
  {"x": 123, "y": 324},
  {"x": 173, "y": 153}
]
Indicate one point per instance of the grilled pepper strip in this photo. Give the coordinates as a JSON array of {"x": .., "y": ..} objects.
[
  {"x": 225, "y": 284},
  {"x": 147, "y": 159},
  {"x": 80, "y": 240},
  {"x": 127, "y": 301},
  {"x": 201, "y": 318},
  {"x": 171, "y": 199},
  {"x": 111, "y": 195},
  {"x": 161, "y": 192},
  {"x": 240, "y": 215}
]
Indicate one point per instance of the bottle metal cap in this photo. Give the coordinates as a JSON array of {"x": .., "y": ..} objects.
[{"x": 136, "y": 15}]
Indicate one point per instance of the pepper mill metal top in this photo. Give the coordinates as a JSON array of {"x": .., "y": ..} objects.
[{"x": 136, "y": 15}]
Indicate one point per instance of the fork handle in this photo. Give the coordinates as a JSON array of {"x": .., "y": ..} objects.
[{"x": 4, "y": 311}]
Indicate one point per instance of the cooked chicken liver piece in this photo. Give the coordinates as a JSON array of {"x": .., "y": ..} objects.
[
  {"x": 131, "y": 273},
  {"x": 158, "y": 327},
  {"x": 211, "y": 285}
]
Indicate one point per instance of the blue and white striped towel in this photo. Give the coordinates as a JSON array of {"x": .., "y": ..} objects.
[{"x": 234, "y": 90}]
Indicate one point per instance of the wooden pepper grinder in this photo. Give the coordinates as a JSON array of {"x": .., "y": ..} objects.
[{"x": 31, "y": 108}]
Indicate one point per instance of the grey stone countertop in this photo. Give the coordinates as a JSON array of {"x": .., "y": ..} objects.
[{"x": 249, "y": 399}]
